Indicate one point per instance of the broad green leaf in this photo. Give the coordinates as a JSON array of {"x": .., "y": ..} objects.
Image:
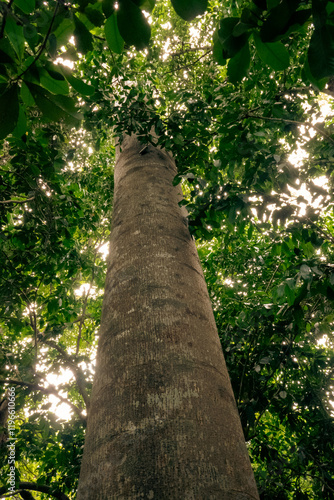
[
  {"x": 107, "y": 8},
  {"x": 217, "y": 51},
  {"x": 238, "y": 65},
  {"x": 55, "y": 83},
  {"x": 231, "y": 44},
  {"x": 189, "y": 9},
  {"x": 112, "y": 34},
  {"x": 31, "y": 35},
  {"x": 309, "y": 78},
  {"x": 94, "y": 14},
  {"x": 83, "y": 38},
  {"x": 15, "y": 35},
  {"x": 55, "y": 107},
  {"x": 27, "y": 6},
  {"x": 21, "y": 125},
  {"x": 289, "y": 294},
  {"x": 9, "y": 111},
  {"x": 78, "y": 84},
  {"x": 278, "y": 20},
  {"x": 64, "y": 31},
  {"x": 133, "y": 25},
  {"x": 26, "y": 96},
  {"x": 273, "y": 54},
  {"x": 321, "y": 52}
]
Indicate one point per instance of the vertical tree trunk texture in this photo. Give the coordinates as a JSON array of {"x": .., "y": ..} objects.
[{"x": 163, "y": 423}]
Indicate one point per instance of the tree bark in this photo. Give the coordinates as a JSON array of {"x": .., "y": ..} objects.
[{"x": 163, "y": 423}]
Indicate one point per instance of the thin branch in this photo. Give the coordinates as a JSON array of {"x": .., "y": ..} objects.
[
  {"x": 83, "y": 318},
  {"x": 44, "y": 390},
  {"x": 294, "y": 122},
  {"x": 17, "y": 201},
  {"x": 271, "y": 279},
  {"x": 187, "y": 66},
  {"x": 190, "y": 49},
  {"x": 42, "y": 47},
  {"x": 76, "y": 370},
  {"x": 43, "y": 488}
]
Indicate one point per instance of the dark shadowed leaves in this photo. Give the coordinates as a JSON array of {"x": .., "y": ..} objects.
[
  {"x": 9, "y": 111},
  {"x": 133, "y": 25},
  {"x": 321, "y": 52},
  {"x": 189, "y": 9}
]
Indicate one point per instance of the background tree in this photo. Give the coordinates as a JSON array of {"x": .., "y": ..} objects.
[{"x": 267, "y": 254}]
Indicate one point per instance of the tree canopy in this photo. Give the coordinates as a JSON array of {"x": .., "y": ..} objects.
[{"x": 240, "y": 92}]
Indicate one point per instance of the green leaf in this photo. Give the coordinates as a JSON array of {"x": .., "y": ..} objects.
[
  {"x": 55, "y": 83},
  {"x": 55, "y": 107},
  {"x": 273, "y": 54},
  {"x": 278, "y": 20},
  {"x": 9, "y": 111},
  {"x": 218, "y": 50},
  {"x": 189, "y": 9},
  {"x": 289, "y": 294},
  {"x": 26, "y": 96},
  {"x": 15, "y": 35},
  {"x": 94, "y": 14},
  {"x": 64, "y": 31},
  {"x": 238, "y": 65},
  {"x": 231, "y": 44},
  {"x": 112, "y": 34},
  {"x": 107, "y": 8},
  {"x": 27, "y": 6},
  {"x": 133, "y": 25},
  {"x": 21, "y": 125},
  {"x": 83, "y": 38},
  {"x": 78, "y": 84},
  {"x": 321, "y": 52},
  {"x": 309, "y": 78}
]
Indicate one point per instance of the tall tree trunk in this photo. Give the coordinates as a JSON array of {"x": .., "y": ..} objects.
[{"x": 163, "y": 423}]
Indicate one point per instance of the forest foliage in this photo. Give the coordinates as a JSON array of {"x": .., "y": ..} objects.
[{"x": 241, "y": 93}]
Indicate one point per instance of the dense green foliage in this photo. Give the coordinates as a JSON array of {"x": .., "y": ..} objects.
[{"x": 232, "y": 93}]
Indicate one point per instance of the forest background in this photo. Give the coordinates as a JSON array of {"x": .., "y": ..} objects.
[{"x": 240, "y": 92}]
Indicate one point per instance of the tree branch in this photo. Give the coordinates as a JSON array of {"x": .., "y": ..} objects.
[
  {"x": 294, "y": 122},
  {"x": 48, "y": 390},
  {"x": 42, "y": 47},
  {"x": 76, "y": 370},
  {"x": 43, "y": 488},
  {"x": 17, "y": 201}
]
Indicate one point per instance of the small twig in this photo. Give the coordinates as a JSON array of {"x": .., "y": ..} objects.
[
  {"x": 271, "y": 279},
  {"x": 294, "y": 122},
  {"x": 43, "y": 488},
  {"x": 187, "y": 66},
  {"x": 78, "y": 373},
  {"x": 17, "y": 201},
  {"x": 190, "y": 49},
  {"x": 42, "y": 47}
]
